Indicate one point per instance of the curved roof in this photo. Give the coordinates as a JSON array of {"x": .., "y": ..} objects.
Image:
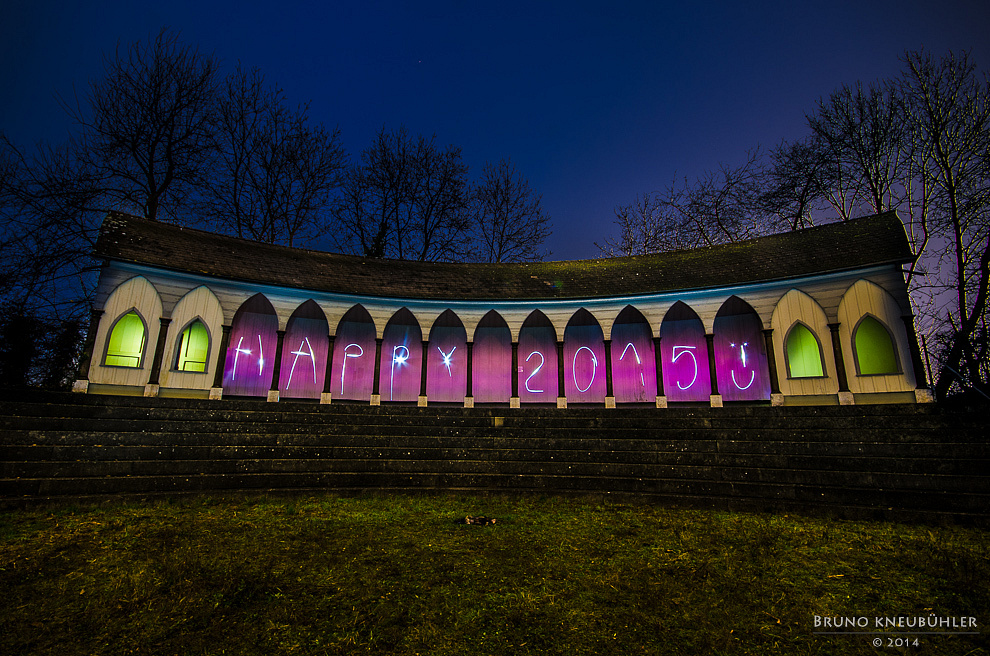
[{"x": 859, "y": 243}]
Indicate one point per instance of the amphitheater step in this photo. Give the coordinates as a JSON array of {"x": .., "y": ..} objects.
[{"x": 922, "y": 462}]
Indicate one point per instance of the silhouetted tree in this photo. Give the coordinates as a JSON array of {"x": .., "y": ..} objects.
[
  {"x": 273, "y": 174},
  {"x": 510, "y": 222},
  {"x": 406, "y": 199},
  {"x": 145, "y": 127}
]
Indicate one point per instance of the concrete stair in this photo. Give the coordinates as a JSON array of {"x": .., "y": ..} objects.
[{"x": 923, "y": 463}]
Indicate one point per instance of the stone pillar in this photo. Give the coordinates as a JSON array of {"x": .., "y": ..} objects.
[
  {"x": 151, "y": 389},
  {"x": 326, "y": 396},
  {"x": 776, "y": 398},
  {"x": 422, "y": 377},
  {"x": 514, "y": 401},
  {"x": 922, "y": 394},
  {"x": 658, "y": 358},
  {"x": 376, "y": 395},
  {"x": 561, "y": 396},
  {"x": 845, "y": 396},
  {"x": 716, "y": 398},
  {"x": 81, "y": 383},
  {"x": 216, "y": 393},
  {"x": 276, "y": 374},
  {"x": 469, "y": 394},
  {"x": 609, "y": 392}
]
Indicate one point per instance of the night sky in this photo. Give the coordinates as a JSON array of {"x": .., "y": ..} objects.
[{"x": 594, "y": 102}]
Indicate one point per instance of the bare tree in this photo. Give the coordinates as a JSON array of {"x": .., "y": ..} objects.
[
  {"x": 510, "y": 222},
  {"x": 948, "y": 108},
  {"x": 145, "y": 129},
  {"x": 797, "y": 182},
  {"x": 438, "y": 220},
  {"x": 721, "y": 206},
  {"x": 406, "y": 199},
  {"x": 273, "y": 174},
  {"x": 863, "y": 131}
]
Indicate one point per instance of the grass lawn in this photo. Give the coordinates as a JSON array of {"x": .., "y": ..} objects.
[{"x": 399, "y": 575}]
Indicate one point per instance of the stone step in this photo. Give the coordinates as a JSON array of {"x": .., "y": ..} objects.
[
  {"x": 924, "y": 460},
  {"x": 54, "y": 444}
]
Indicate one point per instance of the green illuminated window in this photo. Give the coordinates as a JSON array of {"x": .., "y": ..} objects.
[
  {"x": 804, "y": 357},
  {"x": 194, "y": 345},
  {"x": 126, "y": 345},
  {"x": 874, "y": 348}
]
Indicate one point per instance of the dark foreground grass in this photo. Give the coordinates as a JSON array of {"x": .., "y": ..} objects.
[{"x": 398, "y": 575}]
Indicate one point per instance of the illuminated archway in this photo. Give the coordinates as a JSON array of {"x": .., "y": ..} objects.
[
  {"x": 446, "y": 360},
  {"x": 402, "y": 358},
  {"x": 537, "y": 360},
  {"x": 634, "y": 370},
  {"x": 491, "y": 371},
  {"x": 251, "y": 352},
  {"x": 803, "y": 352},
  {"x": 353, "y": 370},
  {"x": 684, "y": 353},
  {"x": 304, "y": 353},
  {"x": 740, "y": 353},
  {"x": 874, "y": 348},
  {"x": 584, "y": 359}
]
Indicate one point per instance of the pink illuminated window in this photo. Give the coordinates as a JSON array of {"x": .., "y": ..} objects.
[
  {"x": 491, "y": 368},
  {"x": 584, "y": 359},
  {"x": 740, "y": 353},
  {"x": 402, "y": 358},
  {"x": 304, "y": 353},
  {"x": 251, "y": 353},
  {"x": 446, "y": 360},
  {"x": 634, "y": 372},
  {"x": 537, "y": 360},
  {"x": 353, "y": 370},
  {"x": 684, "y": 353}
]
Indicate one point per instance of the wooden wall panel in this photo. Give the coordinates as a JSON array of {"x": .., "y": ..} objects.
[
  {"x": 200, "y": 303},
  {"x": 138, "y": 294},
  {"x": 865, "y": 297},
  {"x": 796, "y": 306}
]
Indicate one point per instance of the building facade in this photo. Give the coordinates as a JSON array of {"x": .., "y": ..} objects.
[{"x": 818, "y": 316}]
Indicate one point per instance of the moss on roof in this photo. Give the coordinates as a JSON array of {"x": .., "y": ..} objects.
[{"x": 859, "y": 243}]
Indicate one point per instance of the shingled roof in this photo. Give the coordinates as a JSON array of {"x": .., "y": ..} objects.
[{"x": 869, "y": 241}]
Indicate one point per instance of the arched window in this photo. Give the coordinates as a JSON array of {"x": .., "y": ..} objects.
[
  {"x": 874, "y": 348},
  {"x": 804, "y": 355},
  {"x": 125, "y": 348},
  {"x": 194, "y": 348}
]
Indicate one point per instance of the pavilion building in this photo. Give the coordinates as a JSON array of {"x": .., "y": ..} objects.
[{"x": 816, "y": 316}]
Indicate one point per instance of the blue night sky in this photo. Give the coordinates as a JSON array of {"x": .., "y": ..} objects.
[{"x": 594, "y": 102}]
